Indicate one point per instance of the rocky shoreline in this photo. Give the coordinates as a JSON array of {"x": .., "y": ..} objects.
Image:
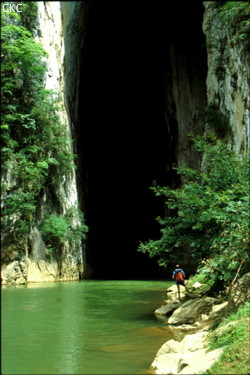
[{"x": 191, "y": 318}]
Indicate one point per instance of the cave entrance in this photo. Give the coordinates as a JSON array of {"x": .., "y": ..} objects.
[{"x": 124, "y": 143}]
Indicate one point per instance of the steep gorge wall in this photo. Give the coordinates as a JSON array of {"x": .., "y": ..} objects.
[
  {"x": 60, "y": 196},
  {"x": 72, "y": 263},
  {"x": 186, "y": 68},
  {"x": 192, "y": 80},
  {"x": 228, "y": 73}
]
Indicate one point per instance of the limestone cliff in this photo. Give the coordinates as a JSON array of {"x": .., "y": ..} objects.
[
  {"x": 61, "y": 195},
  {"x": 206, "y": 83},
  {"x": 228, "y": 70}
]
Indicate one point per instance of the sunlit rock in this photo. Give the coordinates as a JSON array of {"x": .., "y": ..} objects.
[
  {"x": 240, "y": 293},
  {"x": 14, "y": 273},
  {"x": 185, "y": 357},
  {"x": 191, "y": 311}
]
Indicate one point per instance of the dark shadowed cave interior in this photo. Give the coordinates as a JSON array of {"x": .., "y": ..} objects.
[{"x": 122, "y": 140}]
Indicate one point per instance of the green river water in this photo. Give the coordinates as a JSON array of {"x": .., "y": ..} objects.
[{"x": 86, "y": 327}]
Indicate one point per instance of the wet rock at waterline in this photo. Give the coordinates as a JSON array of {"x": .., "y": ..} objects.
[
  {"x": 14, "y": 273},
  {"x": 168, "y": 309},
  {"x": 192, "y": 310}
]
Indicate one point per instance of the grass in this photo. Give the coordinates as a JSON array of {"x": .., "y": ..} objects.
[
  {"x": 235, "y": 338},
  {"x": 206, "y": 281}
]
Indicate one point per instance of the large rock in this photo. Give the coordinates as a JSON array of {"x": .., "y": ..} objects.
[
  {"x": 240, "y": 293},
  {"x": 186, "y": 357},
  {"x": 14, "y": 273},
  {"x": 218, "y": 311},
  {"x": 191, "y": 311},
  {"x": 168, "y": 309},
  {"x": 172, "y": 292}
]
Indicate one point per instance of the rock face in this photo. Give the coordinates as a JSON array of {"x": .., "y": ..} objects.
[
  {"x": 61, "y": 196},
  {"x": 240, "y": 293},
  {"x": 72, "y": 263},
  {"x": 74, "y": 17},
  {"x": 228, "y": 75}
]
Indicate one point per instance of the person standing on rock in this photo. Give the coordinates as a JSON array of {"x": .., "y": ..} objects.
[{"x": 179, "y": 277}]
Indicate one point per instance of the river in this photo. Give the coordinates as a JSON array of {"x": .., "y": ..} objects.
[{"x": 86, "y": 327}]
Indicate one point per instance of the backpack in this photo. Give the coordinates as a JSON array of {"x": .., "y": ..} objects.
[{"x": 179, "y": 276}]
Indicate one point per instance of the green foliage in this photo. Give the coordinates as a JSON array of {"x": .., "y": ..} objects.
[
  {"x": 57, "y": 229},
  {"x": 54, "y": 228},
  {"x": 209, "y": 215},
  {"x": 36, "y": 149},
  {"x": 235, "y": 14},
  {"x": 234, "y": 337},
  {"x": 208, "y": 281},
  {"x": 29, "y": 16}
]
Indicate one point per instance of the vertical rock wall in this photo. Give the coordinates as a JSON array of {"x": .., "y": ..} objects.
[
  {"x": 62, "y": 196},
  {"x": 188, "y": 93},
  {"x": 51, "y": 24},
  {"x": 186, "y": 69},
  {"x": 228, "y": 74}
]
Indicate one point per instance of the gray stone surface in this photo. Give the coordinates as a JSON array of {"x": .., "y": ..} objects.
[
  {"x": 168, "y": 309},
  {"x": 188, "y": 356},
  {"x": 191, "y": 311},
  {"x": 240, "y": 293}
]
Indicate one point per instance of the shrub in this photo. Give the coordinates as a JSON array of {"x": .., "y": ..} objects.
[
  {"x": 57, "y": 229},
  {"x": 209, "y": 215}
]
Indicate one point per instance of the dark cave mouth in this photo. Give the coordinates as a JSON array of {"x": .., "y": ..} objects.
[{"x": 123, "y": 144}]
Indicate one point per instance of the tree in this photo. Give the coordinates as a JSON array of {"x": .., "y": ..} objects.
[{"x": 209, "y": 214}]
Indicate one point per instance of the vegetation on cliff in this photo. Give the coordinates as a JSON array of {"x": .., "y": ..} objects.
[
  {"x": 235, "y": 15},
  {"x": 36, "y": 148},
  {"x": 207, "y": 218}
]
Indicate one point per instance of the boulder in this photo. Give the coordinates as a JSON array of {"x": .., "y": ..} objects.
[
  {"x": 198, "y": 362},
  {"x": 185, "y": 357},
  {"x": 218, "y": 310},
  {"x": 14, "y": 273},
  {"x": 168, "y": 309},
  {"x": 191, "y": 311},
  {"x": 240, "y": 293},
  {"x": 166, "y": 364},
  {"x": 172, "y": 292},
  {"x": 173, "y": 288}
]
